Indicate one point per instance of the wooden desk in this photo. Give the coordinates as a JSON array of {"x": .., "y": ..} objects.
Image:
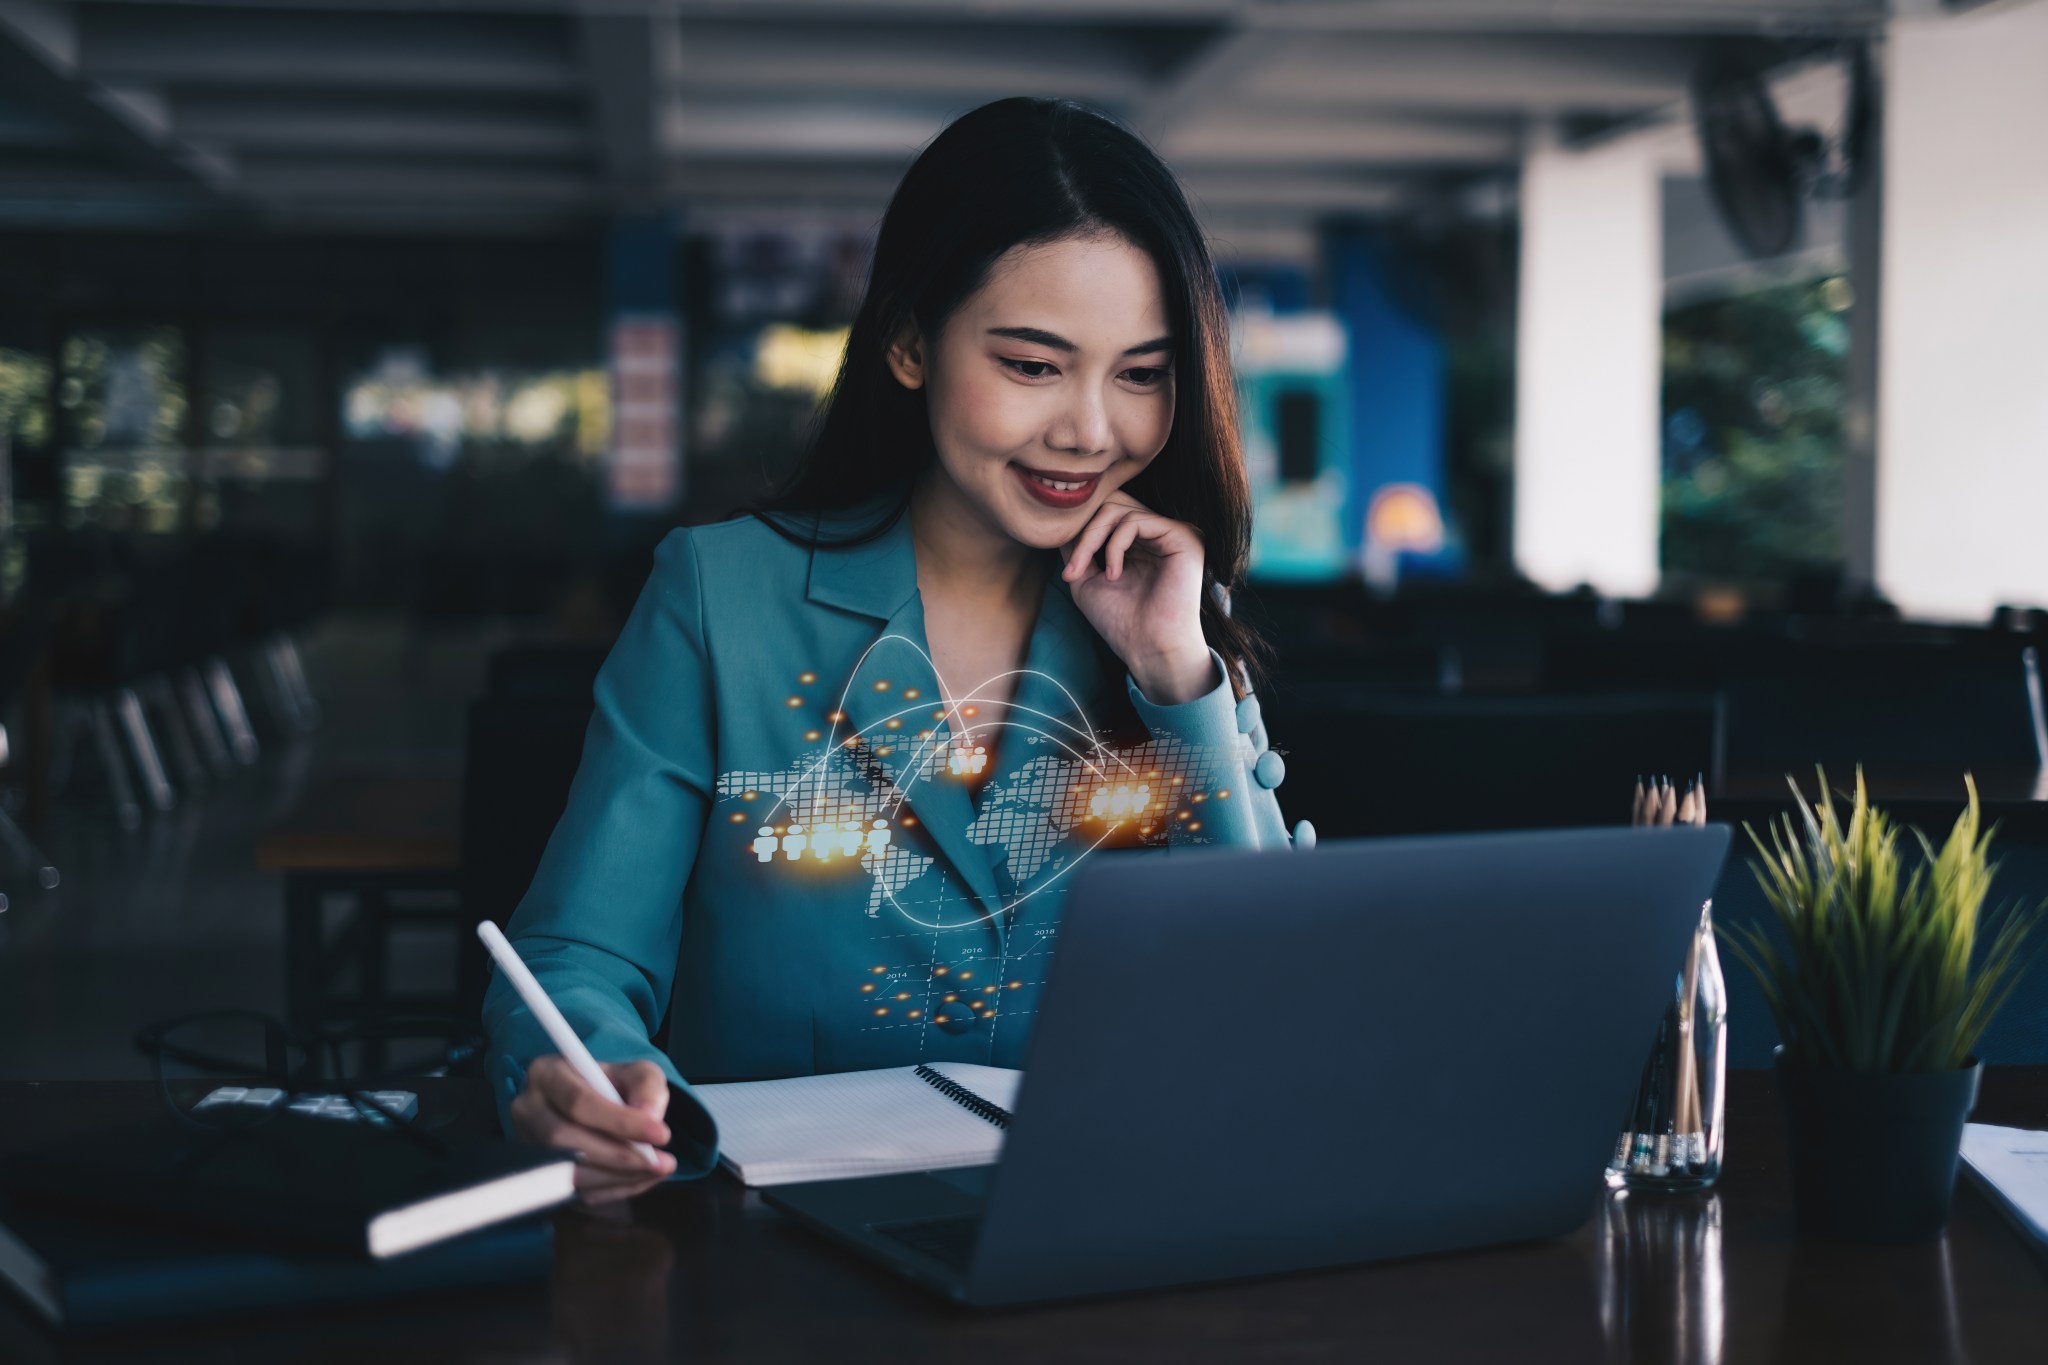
[
  {"x": 703, "y": 1271},
  {"x": 369, "y": 821}
]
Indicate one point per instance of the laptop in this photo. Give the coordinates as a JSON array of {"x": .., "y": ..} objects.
[{"x": 1254, "y": 1062}]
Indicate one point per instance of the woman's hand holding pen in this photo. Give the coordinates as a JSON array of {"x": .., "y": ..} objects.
[
  {"x": 1145, "y": 597},
  {"x": 559, "y": 1109}
]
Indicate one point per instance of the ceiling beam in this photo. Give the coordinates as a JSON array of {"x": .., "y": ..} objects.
[
  {"x": 326, "y": 125},
  {"x": 799, "y": 129},
  {"x": 165, "y": 47},
  {"x": 628, "y": 62},
  {"x": 1476, "y": 73},
  {"x": 403, "y": 182},
  {"x": 834, "y": 59},
  {"x": 1804, "y": 17},
  {"x": 1264, "y": 138},
  {"x": 39, "y": 66},
  {"x": 1211, "y": 74}
]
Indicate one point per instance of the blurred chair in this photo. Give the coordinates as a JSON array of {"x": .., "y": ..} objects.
[
  {"x": 1325, "y": 632},
  {"x": 525, "y": 740},
  {"x": 1913, "y": 709},
  {"x": 1364, "y": 764},
  {"x": 24, "y": 634},
  {"x": 545, "y": 672}
]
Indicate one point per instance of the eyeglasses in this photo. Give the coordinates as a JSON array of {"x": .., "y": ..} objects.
[{"x": 227, "y": 1070}]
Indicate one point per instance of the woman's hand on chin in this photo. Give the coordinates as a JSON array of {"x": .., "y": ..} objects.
[{"x": 1144, "y": 597}]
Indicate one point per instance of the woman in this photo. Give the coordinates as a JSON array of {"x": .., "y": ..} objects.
[{"x": 849, "y": 748}]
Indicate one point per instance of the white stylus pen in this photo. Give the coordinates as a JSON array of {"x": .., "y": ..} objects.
[{"x": 564, "y": 1038}]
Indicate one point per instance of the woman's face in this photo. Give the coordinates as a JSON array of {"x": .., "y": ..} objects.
[{"x": 1057, "y": 371}]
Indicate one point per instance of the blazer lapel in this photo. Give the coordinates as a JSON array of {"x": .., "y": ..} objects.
[{"x": 890, "y": 718}]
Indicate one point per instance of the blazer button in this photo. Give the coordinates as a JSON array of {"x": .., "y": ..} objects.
[
  {"x": 1247, "y": 714},
  {"x": 1304, "y": 835},
  {"x": 1270, "y": 770}
]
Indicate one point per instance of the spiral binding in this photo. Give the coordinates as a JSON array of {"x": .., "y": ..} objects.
[{"x": 965, "y": 1098}]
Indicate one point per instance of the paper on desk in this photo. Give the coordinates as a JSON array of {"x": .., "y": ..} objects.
[{"x": 2014, "y": 1163}]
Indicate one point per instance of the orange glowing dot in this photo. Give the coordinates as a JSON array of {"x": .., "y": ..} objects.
[
  {"x": 1153, "y": 773},
  {"x": 893, "y": 723},
  {"x": 1225, "y": 792},
  {"x": 910, "y": 819},
  {"x": 924, "y": 734},
  {"x": 867, "y": 986},
  {"x": 1196, "y": 824},
  {"x": 903, "y": 995},
  {"x": 911, "y": 694},
  {"x": 967, "y": 976},
  {"x": 881, "y": 685},
  {"x": 886, "y": 750},
  {"x": 881, "y": 1009},
  {"x": 916, "y": 1013},
  {"x": 1015, "y": 984},
  {"x": 939, "y": 1018},
  {"x": 795, "y": 701},
  {"x": 739, "y": 817},
  {"x": 835, "y": 716},
  {"x": 989, "y": 990},
  {"x": 1198, "y": 797},
  {"x": 748, "y": 796},
  {"x": 951, "y": 998},
  {"x": 1184, "y": 815},
  {"x": 806, "y": 677},
  {"x": 878, "y": 970},
  {"x": 939, "y": 714},
  {"x": 1176, "y": 782},
  {"x": 1145, "y": 829},
  {"x": 966, "y": 710},
  {"x": 939, "y": 971}
]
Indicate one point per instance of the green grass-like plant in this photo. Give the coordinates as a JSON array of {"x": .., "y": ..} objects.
[{"x": 1885, "y": 971}]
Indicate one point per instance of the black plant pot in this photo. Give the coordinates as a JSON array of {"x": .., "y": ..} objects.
[{"x": 1874, "y": 1152}]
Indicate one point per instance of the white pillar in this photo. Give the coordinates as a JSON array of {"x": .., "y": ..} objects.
[
  {"x": 1587, "y": 366},
  {"x": 1962, "y": 472}
]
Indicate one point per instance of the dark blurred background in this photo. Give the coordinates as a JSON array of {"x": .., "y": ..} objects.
[{"x": 1630, "y": 386}]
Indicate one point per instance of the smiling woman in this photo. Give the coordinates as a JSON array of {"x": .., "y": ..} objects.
[{"x": 850, "y": 747}]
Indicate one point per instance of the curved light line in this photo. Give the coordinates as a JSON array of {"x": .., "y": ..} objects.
[
  {"x": 916, "y": 763},
  {"x": 831, "y": 733},
  {"x": 1045, "y": 885}
]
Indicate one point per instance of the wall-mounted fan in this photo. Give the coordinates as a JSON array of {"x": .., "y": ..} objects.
[{"x": 1760, "y": 170}]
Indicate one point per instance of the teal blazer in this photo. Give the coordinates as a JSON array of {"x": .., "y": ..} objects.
[{"x": 761, "y": 691}]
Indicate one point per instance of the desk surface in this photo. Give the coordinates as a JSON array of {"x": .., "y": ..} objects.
[{"x": 705, "y": 1272}]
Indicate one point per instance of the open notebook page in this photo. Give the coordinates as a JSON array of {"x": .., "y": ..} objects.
[
  {"x": 856, "y": 1123},
  {"x": 2014, "y": 1162}
]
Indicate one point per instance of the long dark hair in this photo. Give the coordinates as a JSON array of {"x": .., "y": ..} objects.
[{"x": 1030, "y": 171}]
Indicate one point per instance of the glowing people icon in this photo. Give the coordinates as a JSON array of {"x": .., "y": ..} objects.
[
  {"x": 965, "y": 761},
  {"x": 842, "y": 838},
  {"x": 1120, "y": 801}
]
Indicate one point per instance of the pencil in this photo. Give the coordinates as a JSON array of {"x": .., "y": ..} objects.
[{"x": 536, "y": 1000}]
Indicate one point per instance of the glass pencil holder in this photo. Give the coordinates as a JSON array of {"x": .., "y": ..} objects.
[{"x": 1673, "y": 1139}]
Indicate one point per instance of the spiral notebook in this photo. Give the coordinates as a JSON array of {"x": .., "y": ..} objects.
[{"x": 927, "y": 1117}]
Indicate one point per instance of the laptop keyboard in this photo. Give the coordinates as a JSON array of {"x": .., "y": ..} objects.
[{"x": 949, "y": 1241}]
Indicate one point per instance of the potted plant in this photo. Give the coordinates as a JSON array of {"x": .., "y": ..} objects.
[{"x": 1887, "y": 979}]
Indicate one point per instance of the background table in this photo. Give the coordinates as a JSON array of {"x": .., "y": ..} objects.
[{"x": 704, "y": 1271}]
